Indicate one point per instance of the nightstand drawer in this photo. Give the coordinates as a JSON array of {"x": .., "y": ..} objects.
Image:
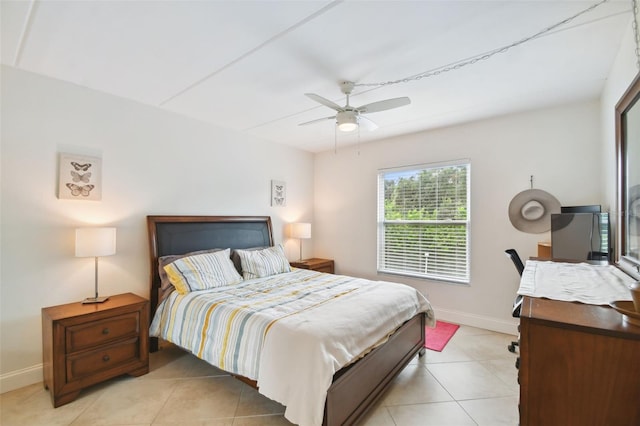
[
  {"x": 100, "y": 332},
  {"x": 91, "y": 363}
]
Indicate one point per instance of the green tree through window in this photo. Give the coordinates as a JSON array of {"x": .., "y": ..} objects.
[{"x": 423, "y": 221}]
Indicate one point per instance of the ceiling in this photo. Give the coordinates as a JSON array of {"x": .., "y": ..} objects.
[{"x": 246, "y": 65}]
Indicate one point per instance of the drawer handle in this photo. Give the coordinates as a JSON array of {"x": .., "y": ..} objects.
[
  {"x": 105, "y": 331},
  {"x": 106, "y": 358}
]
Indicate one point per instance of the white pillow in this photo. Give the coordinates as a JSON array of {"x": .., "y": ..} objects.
[
  {"x": 263, "y": 263},
  {"x": 202, "y": 271}
]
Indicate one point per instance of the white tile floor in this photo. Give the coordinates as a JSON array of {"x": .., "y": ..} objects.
[{"x": 473, "y": 381}]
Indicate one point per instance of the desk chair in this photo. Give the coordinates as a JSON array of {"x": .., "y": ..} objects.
[
  {"x": 513, "y": 255},
  {"x": 517, "y": 304}
]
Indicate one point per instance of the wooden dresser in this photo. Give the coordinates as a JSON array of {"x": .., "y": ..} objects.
[
  {"x": 579, "y": 365},
  {"x": 84, "y": 344}
]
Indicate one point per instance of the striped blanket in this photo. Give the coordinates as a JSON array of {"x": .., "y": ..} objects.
[
  {"x": 226, "y": 326},
  {"x": 290, "y": 332}
]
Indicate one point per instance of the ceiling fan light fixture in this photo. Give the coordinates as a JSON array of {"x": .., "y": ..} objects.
[
  {"x": 347, "y": 121},
  {"x": 347, "y": 127},
  {"x": 347, "y": 118}
]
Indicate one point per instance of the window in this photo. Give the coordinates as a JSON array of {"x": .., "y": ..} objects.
[{"x": 423, "y": 221}]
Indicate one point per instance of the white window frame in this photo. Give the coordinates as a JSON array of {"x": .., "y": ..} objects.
[{"x": 457, "y": 276}]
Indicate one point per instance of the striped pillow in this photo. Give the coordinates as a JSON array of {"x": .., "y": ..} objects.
[
  {"x": 202, "y": 272},
  {"x": 263, "y": 263},
  {"x": 166, "y": 286}
]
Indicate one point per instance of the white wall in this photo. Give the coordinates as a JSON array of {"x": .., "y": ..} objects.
[
  {"x": 559, "y": 146},
  {"x": 154, "y": 162}
]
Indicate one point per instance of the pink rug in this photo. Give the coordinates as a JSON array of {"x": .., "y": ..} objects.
[{"x": 437, "y": 338}]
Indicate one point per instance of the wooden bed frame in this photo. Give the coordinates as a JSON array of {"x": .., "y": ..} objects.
[{"x": 355, "y": 388}]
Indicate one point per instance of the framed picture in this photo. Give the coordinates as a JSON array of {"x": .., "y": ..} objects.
[
  {"x": 278, "y": 193},
  {"x": 80, "y": 177}
]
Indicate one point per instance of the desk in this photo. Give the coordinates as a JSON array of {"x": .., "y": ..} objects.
[{"x": 579, "y": 365}]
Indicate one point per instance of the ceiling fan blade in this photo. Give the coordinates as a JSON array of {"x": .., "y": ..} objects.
[
  {"x": 366, "y": 123},
  {"x": 384, "y": 105},
  {"x": 324, "y": 101},
  {"x": 317, "y": 120}
]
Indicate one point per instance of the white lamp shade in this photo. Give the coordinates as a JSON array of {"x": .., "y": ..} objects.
[
  {"x": 300, "y": 230},
  {"x": 95, "y": 242}
]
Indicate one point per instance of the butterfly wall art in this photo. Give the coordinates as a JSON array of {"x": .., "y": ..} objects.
[
  {"x": 278, "y": 193},
  {"x": 79, "y": 177}
]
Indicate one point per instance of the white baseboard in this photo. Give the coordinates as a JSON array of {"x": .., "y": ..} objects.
[
  {"x": 488, "y": 323},
  {"x": 20, "y": 378}
]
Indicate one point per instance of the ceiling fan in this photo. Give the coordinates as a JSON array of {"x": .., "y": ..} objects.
[{"x": 349, "y": 118}]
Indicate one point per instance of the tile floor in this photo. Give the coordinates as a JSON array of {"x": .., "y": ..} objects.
[{"x": 473, "y": 381}]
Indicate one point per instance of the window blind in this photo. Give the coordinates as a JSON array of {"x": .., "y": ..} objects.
[{"x": 423, "y": 221}]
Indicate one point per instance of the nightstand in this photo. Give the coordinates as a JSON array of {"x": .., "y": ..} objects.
[
  {"x": 84, "y": 344},
  {"x": 315, "y": 264}
]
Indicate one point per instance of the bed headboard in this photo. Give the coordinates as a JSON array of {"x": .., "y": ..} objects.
[{"x": 183, "y": 234}]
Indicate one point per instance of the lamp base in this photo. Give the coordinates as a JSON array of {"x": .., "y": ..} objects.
[{"x": 95, "y": 299}]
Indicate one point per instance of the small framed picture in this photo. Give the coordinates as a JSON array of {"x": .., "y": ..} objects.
[
  {"x": 278, "y": 193},
  {"x": 80, "y": 177}
]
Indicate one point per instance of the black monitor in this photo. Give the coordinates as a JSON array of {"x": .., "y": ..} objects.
[{"x": 581, "y": 209}]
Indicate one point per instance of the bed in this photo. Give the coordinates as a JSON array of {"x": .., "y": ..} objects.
[{"x": 352, "y": 388}]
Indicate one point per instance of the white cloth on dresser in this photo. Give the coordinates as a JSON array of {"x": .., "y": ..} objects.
[{"x": 575, "y": 282}]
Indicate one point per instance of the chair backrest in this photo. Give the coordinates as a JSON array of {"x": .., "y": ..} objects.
[{"x": 513, "y": 255}]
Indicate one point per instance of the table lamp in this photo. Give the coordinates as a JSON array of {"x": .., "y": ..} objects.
[
  {"x": 300, "y": 231},
  {"x": 95, "y": 242}
]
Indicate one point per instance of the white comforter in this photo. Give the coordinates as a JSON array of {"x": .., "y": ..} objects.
[
  {"x": 302, "y": 351},
  {"x": 326, "y": 340}
]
